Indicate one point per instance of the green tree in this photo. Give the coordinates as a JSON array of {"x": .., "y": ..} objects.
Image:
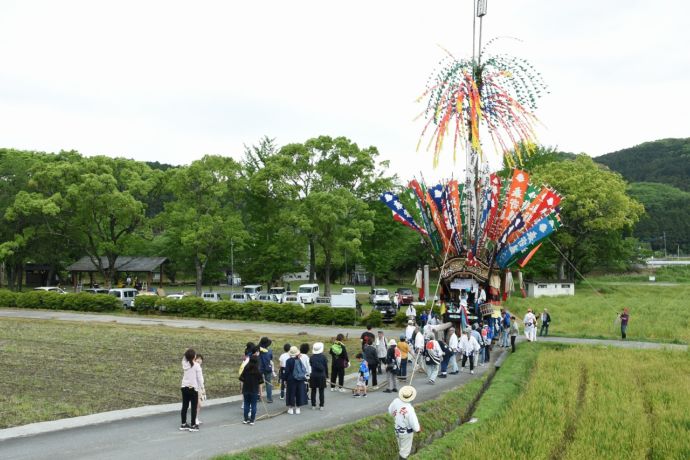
[
  {"x": 204, "y": 217},
  {"x": 596, "y": 212}
]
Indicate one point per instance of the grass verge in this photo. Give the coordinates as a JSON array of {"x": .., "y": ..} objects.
[
  {"x": 582, "y": 402},
  {"x": 58, "y": 369},
  {"x": 657, "y": 314}
]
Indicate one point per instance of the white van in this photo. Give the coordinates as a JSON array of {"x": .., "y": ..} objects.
[
  {"x": 279, "y": 292},
  {"x": 126, "y": 296},
  {"x": 211, "y": 296},
  {"x": 253, "y": 290},
  {"x": 308, "y": 293}
]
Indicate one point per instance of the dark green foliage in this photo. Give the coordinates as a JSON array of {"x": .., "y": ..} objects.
[
  {"x": 401, "y": 319},
  {"x": 8, "y": 299},
  {"x": 374, "y": 318},
  {"x": 145, "y": 303},
  {"x": 665, "y": 161},
  {"x": 319, "y": 315}
]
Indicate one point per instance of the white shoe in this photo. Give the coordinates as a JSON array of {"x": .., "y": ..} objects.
[
  {"x": 471, "y": 372},
  {"x": 332, "y": 388},
  {"x": 342, "y": 390},
  {"x": 291, "y": 411},
  {"x": 199, "y": 422},
  {"x": 297, "y": 411}
]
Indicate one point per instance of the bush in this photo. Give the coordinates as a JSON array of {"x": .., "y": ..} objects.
[
  {"x": 145, "y": 302},
  {"x": 400, "y": 319},
  {"x": 90, "y": 302},
  {"x": 8, "y": 299},
  {"x": 53, "y": 300},
  {"x": 32, "y": 299},
  {"x": 344, "y": 316},
  {"x": 273, "y": 312},
  {"x": 375, "y": 319},
  {"x": 319, "y": 315},
  {"x": 186, "y": 306}
]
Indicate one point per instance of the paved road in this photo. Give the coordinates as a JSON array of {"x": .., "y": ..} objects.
[{"x": 157, "y": 436}]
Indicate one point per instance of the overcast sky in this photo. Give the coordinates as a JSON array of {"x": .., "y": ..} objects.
[{"x": 170, "y": 81}]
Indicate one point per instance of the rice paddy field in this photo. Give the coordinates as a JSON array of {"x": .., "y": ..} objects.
[
  {"x": 657, "y": 313},
  {"x": 57, "y": 369},
  {"x": 580, "y": 403}
]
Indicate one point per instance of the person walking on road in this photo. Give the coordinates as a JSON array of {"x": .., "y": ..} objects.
[
  {"x": 266, "y": 366},
  {"x": 624, "y": 318},
  {"x": 411, "y": 313},
  {"x": 381, "y": 350},
  {"x": 406, "y": 422},
  {"x": 545, "y": 321},
  {"x": 392, "y": 361},
  {"x": 281, "y": 372},
  {"x": 530, "y": 322},
  {"x": 367, "y": 336},
  {"x": 404, "y": 348},
  {"x": 252, "y": 388},
  {"x": 199, "y": 360},
  {"x": 339, "y": 362},
  {"x": 433, "y": 356},
  {"x": 514, "y": 332},
  {"x": 372, "y": 361},
  {"x": 453, "y": 347},
  {"x": 192, "y": 381},
  {"x": 505, "y": 328},
  {"x": 468, "y": 347},
  {"x": 319, "y": 374},
  {"x": 296, "y": 373}
]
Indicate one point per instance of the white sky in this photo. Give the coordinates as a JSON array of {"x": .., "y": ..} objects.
[{"x": 171, "y": 81}]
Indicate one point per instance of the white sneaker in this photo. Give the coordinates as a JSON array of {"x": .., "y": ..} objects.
[
  {"x": 471, "y": 372},
  {"x": 297, "y": 411},
  {"x": 332, "y": 389},
  {"x": 199, "y": 422},
  {"x": 291, "y": 411},
  {"x": 342, "y": 390}
]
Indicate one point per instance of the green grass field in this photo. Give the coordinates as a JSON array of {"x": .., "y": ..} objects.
[
  {"x": 57, "y": 369},
  {"x": 657, "y": 313},
  {"x": 582, "y": 402}
]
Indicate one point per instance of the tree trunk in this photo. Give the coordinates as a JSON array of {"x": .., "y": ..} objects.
[
  {"x": 199, "y": 275},
  {"x": 327, "y": 274},
  {"x": 112, "y": 271},
  {"x": 561, "y": 269},
  {"x": 312, "y": 260},
  {"x": 20, "y": 276},
  {"x": 372, "y": 280},
  {"x": 2, "y": 274}
]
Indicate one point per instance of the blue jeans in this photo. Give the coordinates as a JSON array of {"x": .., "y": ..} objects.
[
  {"x": 250, "y": 406},
  {"x": 402, "y": 372},
  {"x": 504, "y": 337}
]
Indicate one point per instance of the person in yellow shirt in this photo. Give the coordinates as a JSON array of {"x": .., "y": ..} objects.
[{"x": 404, "y": 348}]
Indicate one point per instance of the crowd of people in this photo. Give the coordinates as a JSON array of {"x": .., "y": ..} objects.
[{"x": 303, "y": 373}]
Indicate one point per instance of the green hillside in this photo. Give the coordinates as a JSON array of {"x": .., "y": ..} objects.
[{"x": 666, "y": 161}]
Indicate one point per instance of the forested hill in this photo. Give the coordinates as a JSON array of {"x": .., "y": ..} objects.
[{"x": 665, "y": 161}]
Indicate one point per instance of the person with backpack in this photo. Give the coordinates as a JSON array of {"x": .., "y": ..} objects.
[
  {"x": 319, "y": 374},
  {"x": 392, "y": 362},
  {"x": 339, "y": 362},
  {"x": 372, "y": 361},
  {"x": 266, "y": 366},
  {"x": 296, "y": 372},
  {"x": 362, "y": 377},
  {"x": 432, "y": 358},
  {"x": 468, "y": 347},
  {"x": 252, "y": 389},
  {"x": 367, "y": 336}
]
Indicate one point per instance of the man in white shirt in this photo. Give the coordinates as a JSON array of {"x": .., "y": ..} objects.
[
  {"x": 468, "y": 347},
  {"x": 411, "y": 312},
  {"x": 406, "y": 422},
  {"x": 433, "y": 358},
  {"x": 409, "y": 330},
  {"x": 530, "y": 322},
  {"x": 453, "y": 346}
]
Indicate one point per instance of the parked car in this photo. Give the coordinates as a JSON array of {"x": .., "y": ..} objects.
[
  {"x": 292, "y": 298},
  {"x": 308, "y": 293},
  {"x": 379, "y": 295},
  {"x": 50, "y": 289},
  {"x": 268, "y": 298},
  {"x": 405, "y": 296},
  {"x": 348, "y": 290},
  {"x": 211, "y": 296},
  {"x": 175, "y": 296},
  {"x": 387, "y": 309},
  {"x": 279, "y": 292},
  {"x": 126, "y": 296},
  {"x": 253, "y": 290},
  {"x": 96, "y": 290},
  {"x": 241, "y": 297}
]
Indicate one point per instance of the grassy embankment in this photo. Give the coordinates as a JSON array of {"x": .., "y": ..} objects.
[
  {"x": 56, "y": 369},
  {"x": 657, "y": 313},
  {"x": 583, "y": 402}
]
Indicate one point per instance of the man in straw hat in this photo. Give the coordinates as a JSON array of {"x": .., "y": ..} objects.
[{"x": 406, "y": 423}]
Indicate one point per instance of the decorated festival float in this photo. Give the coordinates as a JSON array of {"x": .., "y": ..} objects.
[{"x": 479, "y": 228}]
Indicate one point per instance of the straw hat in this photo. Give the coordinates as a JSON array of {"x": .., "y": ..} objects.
[
  {"x": 294, "y": 351},
  {"x": 392, "y": 342},
  {"x": 407, "y": 393},
  {"x": 318, "y": 348}
]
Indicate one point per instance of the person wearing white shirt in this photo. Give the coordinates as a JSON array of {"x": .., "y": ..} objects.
[
  {"x": 409, "y": 330},
  {"x": 433, "y": 359},
  {"x": 453, "y": 346},
  {"x": 530, "y": 322},
  {"x": 468, "y": 347},
  {"x": 411, "y": 312},
  {"x": 406, "y": 422}
]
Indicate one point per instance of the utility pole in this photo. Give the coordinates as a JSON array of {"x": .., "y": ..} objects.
[{"x": 665, "y": 254}]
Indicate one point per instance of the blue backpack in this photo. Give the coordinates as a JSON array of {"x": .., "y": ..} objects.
[{"x": 299, "y": 372}]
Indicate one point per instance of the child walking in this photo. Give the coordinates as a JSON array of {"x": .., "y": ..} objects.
[{"x": 362, "y": 378}]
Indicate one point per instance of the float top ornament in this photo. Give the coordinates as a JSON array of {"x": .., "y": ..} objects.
[{"x": 499, "y": 94}]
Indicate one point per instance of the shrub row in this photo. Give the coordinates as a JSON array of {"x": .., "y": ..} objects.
[{"x": 55, "y": 301}]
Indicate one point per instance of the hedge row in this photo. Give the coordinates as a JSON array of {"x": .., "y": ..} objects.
[{"x": 55, "y": 301}]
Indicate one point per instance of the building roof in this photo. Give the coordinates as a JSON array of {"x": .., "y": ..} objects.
[{"x": 122, "y": 264}]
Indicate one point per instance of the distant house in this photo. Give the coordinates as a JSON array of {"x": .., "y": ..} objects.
[
  {"x": 549, "y": 288},
  {"x": 147, "y": 269}
]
